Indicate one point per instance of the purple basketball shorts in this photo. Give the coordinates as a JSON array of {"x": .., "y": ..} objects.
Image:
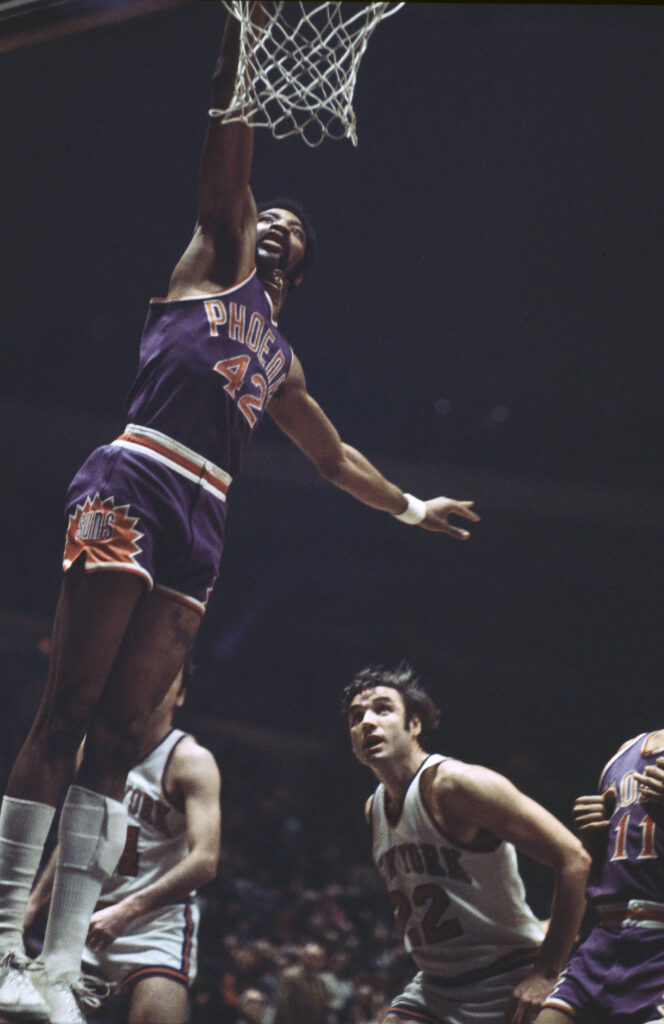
[
  {"x": 617, "y": 973},
  {"x": 147, "y": 505}
]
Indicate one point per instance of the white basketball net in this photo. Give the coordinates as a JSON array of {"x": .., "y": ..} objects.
[{"x": 297, "y": 74}]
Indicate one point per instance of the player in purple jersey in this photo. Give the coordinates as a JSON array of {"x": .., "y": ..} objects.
[
  {"x": 145, "y": 535},
  {"x": 617, "y": 973}
]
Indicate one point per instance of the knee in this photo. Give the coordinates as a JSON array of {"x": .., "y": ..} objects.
[
  {"x": 115, "y": 745},
  {"x": 60, "y": 726}
]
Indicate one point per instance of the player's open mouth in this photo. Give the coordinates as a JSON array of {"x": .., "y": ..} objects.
[
  {"x": 274, "y": 241},
  {"x": 372, "y": 745}
]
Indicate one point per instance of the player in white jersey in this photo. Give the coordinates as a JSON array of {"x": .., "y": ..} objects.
[
  {"x": 143, "y": 935},
  {"x": 444, "y": 838}
]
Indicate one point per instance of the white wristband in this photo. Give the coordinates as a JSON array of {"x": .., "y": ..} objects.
[{"x": 414, "y": 513}]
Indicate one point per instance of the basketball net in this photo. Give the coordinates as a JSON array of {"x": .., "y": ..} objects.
[{"x": 296, "y": 74}]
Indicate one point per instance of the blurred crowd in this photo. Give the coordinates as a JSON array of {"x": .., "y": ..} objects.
[{"x": 297, "y": 927}]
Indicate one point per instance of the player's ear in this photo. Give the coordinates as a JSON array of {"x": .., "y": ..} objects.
[
  {"x": 296, "y": 280},
  {"x": 415, "y": 725}
]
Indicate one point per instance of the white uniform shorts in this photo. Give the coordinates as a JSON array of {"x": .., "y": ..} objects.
[
  {"x": 437, "y": 1001},
  {"x": 161, "y": 944}
]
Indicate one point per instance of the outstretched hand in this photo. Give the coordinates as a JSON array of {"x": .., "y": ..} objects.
[{"x": 438, "y": 511}]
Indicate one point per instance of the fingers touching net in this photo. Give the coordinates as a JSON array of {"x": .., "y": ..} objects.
[{"x": 297, "y": 73}]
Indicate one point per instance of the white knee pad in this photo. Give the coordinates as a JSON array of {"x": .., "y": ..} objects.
[{"x": 92, "y": 834}]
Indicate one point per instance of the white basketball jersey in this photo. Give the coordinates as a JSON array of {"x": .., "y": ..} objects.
[
  {"x": 156, "y": 830},
  {"x": 459, "y": 908}
]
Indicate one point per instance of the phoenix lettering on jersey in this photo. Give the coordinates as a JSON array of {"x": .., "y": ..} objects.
[
  {"x": 422, "y": 859},
  {"x": 250, "y": 391},
  {"x": 252, "y": 332},
  {"x": 145, "y": 808}
]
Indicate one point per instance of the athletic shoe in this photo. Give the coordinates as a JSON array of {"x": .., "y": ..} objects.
[
  {"x": 20, "y": 995},
  {"x": 67, "y": 999}
]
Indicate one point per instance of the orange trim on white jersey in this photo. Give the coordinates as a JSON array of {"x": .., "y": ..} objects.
[
  {"x": 209, "y": 295},
  {"x": 177, "y": 457}
]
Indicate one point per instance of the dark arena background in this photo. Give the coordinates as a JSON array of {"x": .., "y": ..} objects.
[{"x": 483, "y": 321}]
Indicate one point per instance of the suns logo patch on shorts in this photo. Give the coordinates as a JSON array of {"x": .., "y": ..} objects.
[
  {"x": 106, "y": 533},
  {"x": 129, "y": 512}
]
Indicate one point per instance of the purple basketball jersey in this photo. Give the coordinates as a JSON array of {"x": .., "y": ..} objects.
[
  {"x": 208, "y": 367},
  {"x": 618, "y": 972},
  {"x": 633, "y": 867}
]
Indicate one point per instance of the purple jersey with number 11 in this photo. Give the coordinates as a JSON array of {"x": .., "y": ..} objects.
[
  {"x": 633, "y": 868},
  {"x": 617, "y": 973},
  {"x": 208, "y": 367}
]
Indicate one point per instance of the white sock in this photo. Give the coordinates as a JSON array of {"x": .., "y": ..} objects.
[
  {"x": 24, "y": 827},
  {"x": 92, "y": 835}
]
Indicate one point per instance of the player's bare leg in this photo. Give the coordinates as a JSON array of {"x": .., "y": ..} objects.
[
  {"x": 91, "y": 619},
  {"x": 155, "y": 645},
  {"x": 93, "y": 613},
  {"x": 116, "y": 650},
  {"x": 156, "y": 641},
  {"x": 158, "y": 1001}
]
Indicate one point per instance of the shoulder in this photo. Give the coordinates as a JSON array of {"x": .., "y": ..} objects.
[
  {"x": 453, "y": 780},
  {"x": 455, "y": 795},
  {"x": 464, "y": 796},
  {"x": 622, "y": 749},
  {"x": 191, "y": 763}
]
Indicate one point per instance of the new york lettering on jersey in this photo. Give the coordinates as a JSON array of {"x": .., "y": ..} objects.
[
  {"x": 459, "y": 908},
  {"x": 634, "y": 864},
  {"x": 156, "y": 830},
  {"x": 209, "y": 365},
  {"x": 148, "y": 809}
]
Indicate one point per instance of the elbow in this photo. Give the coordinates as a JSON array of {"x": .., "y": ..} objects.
[
  {"x": 208, "y": 867},
  {"x": 333, "y": 466},
  {"x": 578, "y": 862},
  {"x": 332, "y": 470},
  {"x": 586, "y": 861}
]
